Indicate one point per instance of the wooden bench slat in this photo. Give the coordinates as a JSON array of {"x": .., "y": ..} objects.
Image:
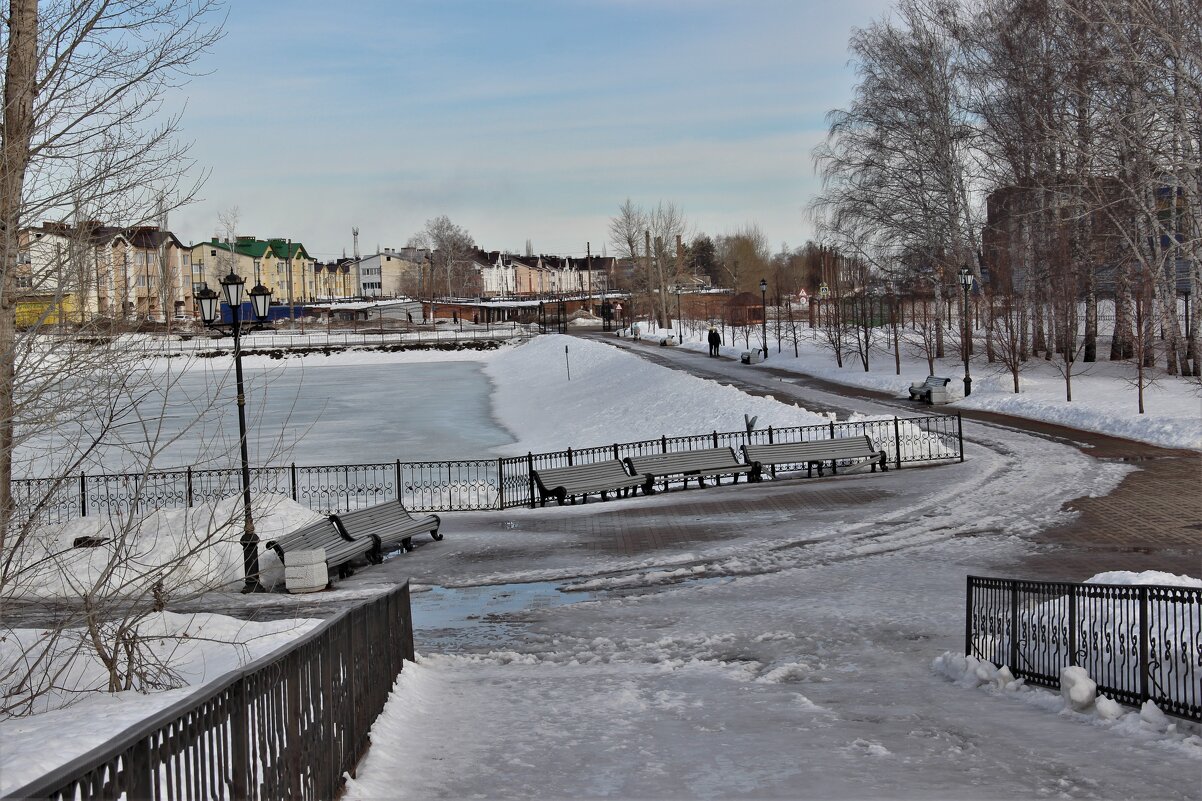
[
  {"x": 923, "y": 391},
  {"x": 582, "y": 480},
  {"x": 813, "y": 453},
  {"x": 386, "y": 523},
  {"x": 715, "y": 462}
]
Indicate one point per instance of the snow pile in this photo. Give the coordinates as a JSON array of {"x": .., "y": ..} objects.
[
  {"x": 1077, "y": 698},
  {"x": 1147, "y": 577},
  {"x": 612, "y": 396},
  {"x": 178, "y": 552}
]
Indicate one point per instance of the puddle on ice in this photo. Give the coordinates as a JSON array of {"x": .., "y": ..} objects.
[
  {"x": 451, "y": 619},
  {"x": 454, "y": 618}
]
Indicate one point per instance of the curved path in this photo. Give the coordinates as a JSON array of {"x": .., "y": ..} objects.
[{"x": 1151, "y": 521}]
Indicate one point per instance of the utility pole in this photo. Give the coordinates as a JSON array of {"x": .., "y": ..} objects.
[{"x": 288, "y": 272}]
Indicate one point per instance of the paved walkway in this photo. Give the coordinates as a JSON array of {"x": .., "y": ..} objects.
[{"x": 1151, "y": 521}]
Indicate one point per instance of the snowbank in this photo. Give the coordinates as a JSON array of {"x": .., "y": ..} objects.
[
  {"x": 613, "y": 396},
  {"x": 184, "y": 551}
]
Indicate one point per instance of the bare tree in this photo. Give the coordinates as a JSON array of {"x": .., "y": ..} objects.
[
  {"x": 451, "y": 248},
  {"x": 83, "y": 83}
]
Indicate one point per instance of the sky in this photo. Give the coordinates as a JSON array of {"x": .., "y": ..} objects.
[{"x": 519, "y": 119}]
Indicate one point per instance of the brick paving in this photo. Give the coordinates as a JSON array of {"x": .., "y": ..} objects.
[{"x": 694, "y": 516}]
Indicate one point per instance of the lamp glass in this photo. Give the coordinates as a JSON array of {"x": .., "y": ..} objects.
[
  {"x": 232, "y": 286},
  {"x": 260, "y": 301},
  {"x": 207, "y": 300},
  {"x": 965, "y": 278},
  {"x": 763, "y": 285}
]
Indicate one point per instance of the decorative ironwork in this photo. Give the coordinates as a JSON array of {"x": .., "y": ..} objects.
[
  {"x": 1138, "y": 643},
  {"x": 289, "y": 725},
  {"x": 446, "y": 486}
]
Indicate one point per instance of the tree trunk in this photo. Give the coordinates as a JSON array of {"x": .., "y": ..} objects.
[{"x": 19, "y": 86}]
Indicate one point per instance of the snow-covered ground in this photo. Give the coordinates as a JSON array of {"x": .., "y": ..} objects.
[
  {"x": 788, "y": 656},
  {"x": 1105, "y": 398}
]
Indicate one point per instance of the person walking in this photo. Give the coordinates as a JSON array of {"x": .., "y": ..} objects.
[
  {"x": 634, "y": 330},
  {"x": 715, "y": 339}
]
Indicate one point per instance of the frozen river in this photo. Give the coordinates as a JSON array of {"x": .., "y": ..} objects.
[{"x": 303, "y": 412}]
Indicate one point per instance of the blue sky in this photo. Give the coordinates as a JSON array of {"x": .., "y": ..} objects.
[{"x": 518, "y": 119}]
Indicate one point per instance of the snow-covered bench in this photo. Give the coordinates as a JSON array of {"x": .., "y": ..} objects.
[
  {"x": 812, "y": 454},
  {"x": 340, "y": 548},
  {"x": 583, "y": 480},
  {"x": 386, "y": 524},
  {"x": 933, "y": 390},
  {"x": 716, "y": 462}
]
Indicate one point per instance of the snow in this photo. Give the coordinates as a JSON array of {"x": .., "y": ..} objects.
[
  {"x": 189, "y": 550},
  {"x": 611, "y": 397},
  {"x": 1104, "y": 396},
  {"x": 796, "y": 654}
]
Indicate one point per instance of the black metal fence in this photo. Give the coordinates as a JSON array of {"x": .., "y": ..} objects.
[
  {"x": 1138, "y": 643},
  {"x": 287, "y": 726},
  {"x": 448, "y": 486},
  {"x": 905, "y": 441}
]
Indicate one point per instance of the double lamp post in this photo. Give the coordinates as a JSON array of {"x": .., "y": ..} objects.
[{"x": 260, "y": 298}]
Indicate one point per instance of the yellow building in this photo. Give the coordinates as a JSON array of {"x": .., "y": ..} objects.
[{"x": 282, "y": 266}]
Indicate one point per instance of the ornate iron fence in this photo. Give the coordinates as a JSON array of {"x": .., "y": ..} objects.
[
  {"x": 286, "y": 726},
  {"x": 910, "y": 440},
  {"x": 449, "y": 486},
  {"x": 1138, "y": 643}
]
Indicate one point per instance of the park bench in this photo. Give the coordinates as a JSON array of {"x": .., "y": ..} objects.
[
  {"x": 698, "y": 464},
  {"x": 812, "y": 454},
  {"x": 562, "y": 483},
  {"x": 933, "y": 390},
  {"x": 339, "y": 547},
  {"x": 385, "y": 524}
]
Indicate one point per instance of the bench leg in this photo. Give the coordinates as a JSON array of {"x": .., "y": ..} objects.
[
  {"x": 437, "y": 525},
  {"x": 649, "y": 487},
  {"x": 407, "y": 543}
]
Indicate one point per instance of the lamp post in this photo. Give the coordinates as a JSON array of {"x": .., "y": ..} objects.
[
  {"x": 893, "y": 322},
  {"x": 965, "y": 276},
  {"x": 260, "y": 297},
  {"x": 679, "y": 324},
  {"x": 764, "y": 309}
]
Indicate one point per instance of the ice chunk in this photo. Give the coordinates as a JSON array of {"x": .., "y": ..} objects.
[{"x": 1077, "y": 688}]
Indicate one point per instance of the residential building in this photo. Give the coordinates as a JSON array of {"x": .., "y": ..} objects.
[
  {"x": 94, "y": 270},
  {"x": 391, "y": 273},
  {"x": 281, "y": 265}
]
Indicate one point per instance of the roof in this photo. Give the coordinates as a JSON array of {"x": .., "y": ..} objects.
[{"x": 260, "y": 248}]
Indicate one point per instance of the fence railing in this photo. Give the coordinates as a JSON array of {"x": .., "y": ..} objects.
[
  {"x": 286, "y": 726},
  {"x": 1139, "y": 643},
  {"x": 447, "y": 486},
  {"x": 428, "y": 336}
]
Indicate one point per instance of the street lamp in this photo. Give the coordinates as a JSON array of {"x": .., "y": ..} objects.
[
  {"x": 965, "y": 275},
  {"x": 764, "y": 309},
  {"x": 260, "y": 297}
]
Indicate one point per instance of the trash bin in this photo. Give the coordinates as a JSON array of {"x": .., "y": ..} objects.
[
  {"x": 305, "y": 571},
  {"x": 745, "y": 357}
]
